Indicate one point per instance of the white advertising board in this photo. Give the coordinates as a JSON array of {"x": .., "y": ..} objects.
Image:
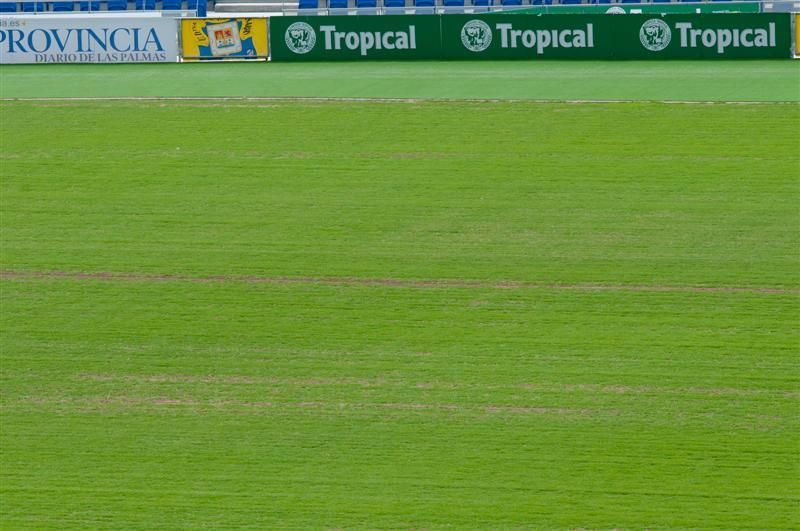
[{"x": 88, "y": 39}]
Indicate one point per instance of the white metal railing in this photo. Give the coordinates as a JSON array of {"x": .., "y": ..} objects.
[
  {"x": 554, "y": 6},
  {"x": 284, "y": 7}
]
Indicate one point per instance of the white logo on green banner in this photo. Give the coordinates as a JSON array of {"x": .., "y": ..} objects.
[
  {"x": 655, "y": 35},
  {"x": 300, "y": 38},
  {"x": 476, "y": 35}
]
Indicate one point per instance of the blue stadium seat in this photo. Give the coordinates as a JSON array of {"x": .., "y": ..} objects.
[
  {"x": 601, "y": 2},
  {"x": 200, "y": 6},
  {"x": 90, "y": 6},
  {"x": 172, "y": 5},
  {"x": 146, "y": 5},
  {"x": 308, "y": 4},
  {"x": 33, "y": 7},
  {"x": 661, "y": 1},
  {"x": 630, "y": 1},
  {"x": 366, "y": 4},
  {"x": 424, "y": 7},
  {"x": 453, "y": 3},
  {"x": 511, "y": 2},
  {"x": 337, "y": 4},
  {"x": 63, "y": 6},
  {"x": 569, "y": 2},
  {"x": 481, "y": 3},
  {"x": 396, "y": 7},
  {"x": 117, "y": 5},
  {"x": 8, "y": 7}
]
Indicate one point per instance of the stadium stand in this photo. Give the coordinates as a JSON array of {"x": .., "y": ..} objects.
[
  {"x": 336, "y": 7},
  {"x": 33, "y": 7}
]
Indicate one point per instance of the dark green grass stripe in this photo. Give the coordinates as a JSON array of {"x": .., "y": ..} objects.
[{"x": 776, "y": 80}]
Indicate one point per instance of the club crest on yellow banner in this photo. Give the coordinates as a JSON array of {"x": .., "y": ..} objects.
[{"x": 241, "y": 38}]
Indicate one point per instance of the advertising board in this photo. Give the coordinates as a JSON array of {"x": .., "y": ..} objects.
[
  {"x": 87, "y": 39},
  {"x": 513, "y": 36},
  {"x": 698, "y": 36},
  {"x": 533, "y": 37},
  {"x": 224, "y": 38},
  {"x": 355, "y": 38}
]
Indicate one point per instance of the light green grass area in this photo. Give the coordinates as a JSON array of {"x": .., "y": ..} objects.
[
  {"x": 419, "y": 315},
  {"x": 775, "y": 80}
]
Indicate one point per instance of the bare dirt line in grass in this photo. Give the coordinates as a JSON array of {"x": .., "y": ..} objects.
[
  {"x": 384, "y": 282},
  {"x": 317, "y": 99},
  {"x": 542, "y": 410},
  {"x": 108, "y": 402},
  {"x": 657, "y": 390},
  {"x": 230, "y": 380},
  {"x": 613, "y": 389}
]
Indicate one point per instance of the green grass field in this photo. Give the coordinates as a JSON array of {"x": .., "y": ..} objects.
[
  {"x": 344, "y": 314},
  {"x": 752, "y": 80}
]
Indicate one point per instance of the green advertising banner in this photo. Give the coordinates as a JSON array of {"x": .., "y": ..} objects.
[
  {"x": 729, "y": 36},
  {"x": 352, "y": 38},
  {"x": 734, "y": 35},
  {"x": 509, "y": 36},
  {"x": 514, "y": 36}
]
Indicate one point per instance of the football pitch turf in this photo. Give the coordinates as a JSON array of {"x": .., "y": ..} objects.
[
  {"x": 764, "y": 80},
  {"x": 417, "y": 314}
]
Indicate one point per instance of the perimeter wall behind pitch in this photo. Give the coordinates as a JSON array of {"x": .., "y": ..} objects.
[
  {"x": 514, "y": 36},
  {"x": 150, "y": 37}
]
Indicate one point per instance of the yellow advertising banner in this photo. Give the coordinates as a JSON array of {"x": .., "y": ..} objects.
[{"x": 223, "y": 38}]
